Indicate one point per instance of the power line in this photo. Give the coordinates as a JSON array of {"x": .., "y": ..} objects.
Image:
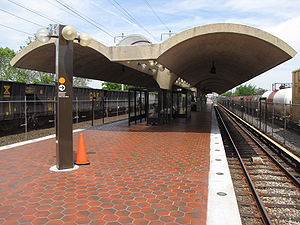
[
  {"x": 86, "y": 18},
  {"x": 16, "y": 29},
  {"x": 129, "y": 16},
  {"x": 21, "y": 18},
  {"x": 39, "y": 14},
  {"x": 61, "y": 8},
  {"x": 158, "y": 17}
]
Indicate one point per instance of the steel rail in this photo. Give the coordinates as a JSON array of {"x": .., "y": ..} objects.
[
  {"x": 291, "y": 176},
  {"x": 265, "y": 216},
  {"x": 275, "y": 146}
]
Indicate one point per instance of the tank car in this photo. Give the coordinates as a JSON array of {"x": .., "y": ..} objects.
[{"x": 281, "y": 101}]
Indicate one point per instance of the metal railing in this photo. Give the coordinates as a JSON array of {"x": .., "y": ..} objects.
[
  {"x": 274, "y": 119},
  {"x": 28, "y": 113}
]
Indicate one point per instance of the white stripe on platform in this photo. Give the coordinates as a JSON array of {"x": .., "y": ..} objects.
[
  {"x": 220, "y": 209},
  {"x": 34, "y": 140}
]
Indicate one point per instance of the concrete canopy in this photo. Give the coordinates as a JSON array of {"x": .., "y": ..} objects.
[{"x": 238, "y": 52}]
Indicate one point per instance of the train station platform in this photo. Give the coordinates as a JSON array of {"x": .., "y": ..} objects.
[{"x": 168, "y": 174}]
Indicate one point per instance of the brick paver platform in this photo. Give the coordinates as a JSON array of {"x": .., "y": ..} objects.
[{"x": 138, "y": 175}]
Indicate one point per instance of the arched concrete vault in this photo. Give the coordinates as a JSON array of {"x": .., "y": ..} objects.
[
  {"x": 239, "y": 53},
  {"x": 89, "y": 62}
]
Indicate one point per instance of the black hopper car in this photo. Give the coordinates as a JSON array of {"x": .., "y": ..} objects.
[{"x": 36, "y": 102}]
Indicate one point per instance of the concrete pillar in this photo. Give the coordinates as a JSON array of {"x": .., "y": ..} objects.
[
  {"x": 201, "y": 100},
  {"x": 165, "y": 79}
]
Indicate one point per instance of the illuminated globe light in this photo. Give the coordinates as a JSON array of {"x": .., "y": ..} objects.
[
  {"x": 161, "y": 68},
  {"x": 153, "y": 71},
  {"x": 84, "y": 39},
  {"x": 69, "y": 33},
  {"x": 144, "y": 66},
  {"x": 151, "y": 63},
  {"x": 43, "y": 35}
]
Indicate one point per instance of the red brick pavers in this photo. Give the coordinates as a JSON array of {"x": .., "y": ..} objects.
[{"x": 138, "y": 175}]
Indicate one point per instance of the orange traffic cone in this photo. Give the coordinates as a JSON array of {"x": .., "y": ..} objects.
[{"x": 81, "y": 153}]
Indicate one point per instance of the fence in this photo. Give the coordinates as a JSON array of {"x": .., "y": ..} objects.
[
  {"x": 281, "y": 121},
  {"x": 37, "y": 113}
]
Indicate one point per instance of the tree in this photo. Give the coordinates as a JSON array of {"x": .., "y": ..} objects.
[
  {"x": 111, "y": 86},
  {"x": 228, "y": 94},
  {"x": 260, "y": 91},
  {"x": 245, "y": 90},
  {"x": 80, "y": 82},
  {"x": 115, "y": 86},
  {"x": 7, "y": 72}
]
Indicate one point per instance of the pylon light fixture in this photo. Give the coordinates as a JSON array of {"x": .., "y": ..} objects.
[
  {"x": 43, "y": 35},
  {"x": 213, "y": 68},
  {"x": 68, "y": 32},
  {"x": 84, "y": 39}
]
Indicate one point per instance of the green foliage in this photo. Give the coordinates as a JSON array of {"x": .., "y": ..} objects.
[
  {"x": 260, "y": 91},
  {"x": 111, "y": 86},
  {"x": 115, "y": 86},
  {"x": 80, "y": 82},
  {"x": 7, "y": 72},
  {"x": 228, "y": 94},
  {"x": 243, "y": 90}
]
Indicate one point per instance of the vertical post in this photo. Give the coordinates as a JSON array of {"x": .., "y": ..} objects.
[
  {"x": 147, "y": 106},
  {"x": 77, "y": 109},
  {"x": 135, "y": 106},
  {"x": 141, "y": 119},
  {"x": 266, "y": 116},
  {"x": 103, "y": 109},
  {"x": 242, "y": 107},
  {"x": 117, "y": 108},
  {"x": 259, "y": 113},
  {"x": 93, "y": 111},
  {"x": 273, "y": 112},
  {"x": 25, "y": 115},
  {"x": 284, "y": 136},
  {"x": 64, "y": 88},
  {"x": 129, "y": 105},
  {"x": 252, "y": 111},
  {"x": 55, "y": 113}
]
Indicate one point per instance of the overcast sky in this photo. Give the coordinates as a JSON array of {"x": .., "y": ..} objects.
[{"x": 279, "y": 17}]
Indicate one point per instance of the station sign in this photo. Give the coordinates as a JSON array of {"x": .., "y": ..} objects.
[{"x": 62, "y": 88}]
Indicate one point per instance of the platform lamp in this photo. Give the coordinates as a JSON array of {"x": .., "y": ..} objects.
[{"x": 64, "y": 89}]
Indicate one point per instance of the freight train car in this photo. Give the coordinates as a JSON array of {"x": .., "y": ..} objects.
[
  {"x": 36, "y": 102},
  {"x": 11, "y": 106},
  {"x": 277, "y": 104}
]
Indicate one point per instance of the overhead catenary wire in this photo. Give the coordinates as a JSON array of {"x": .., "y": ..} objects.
[
  {"x": 30, "y": 10},
  {"x": 129, "y": 16},
  {"x": 61, "y": 8},
  {"x": 24, "y": 32},
  {"x": 33, "y": 11},
  {"x": 86, "y": 18},
  {"x": 157, "y": 16},
  {"x": 12, "y": 14}
]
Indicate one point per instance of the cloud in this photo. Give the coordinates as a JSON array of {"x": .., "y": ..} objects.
[
  {"x": 279, "y": 17},
  {"x": 288, "y": 31},
  {"x": 282, "y": 8}
]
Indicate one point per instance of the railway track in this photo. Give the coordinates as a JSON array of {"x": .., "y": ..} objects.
[{"x": 266, "y": 185}]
